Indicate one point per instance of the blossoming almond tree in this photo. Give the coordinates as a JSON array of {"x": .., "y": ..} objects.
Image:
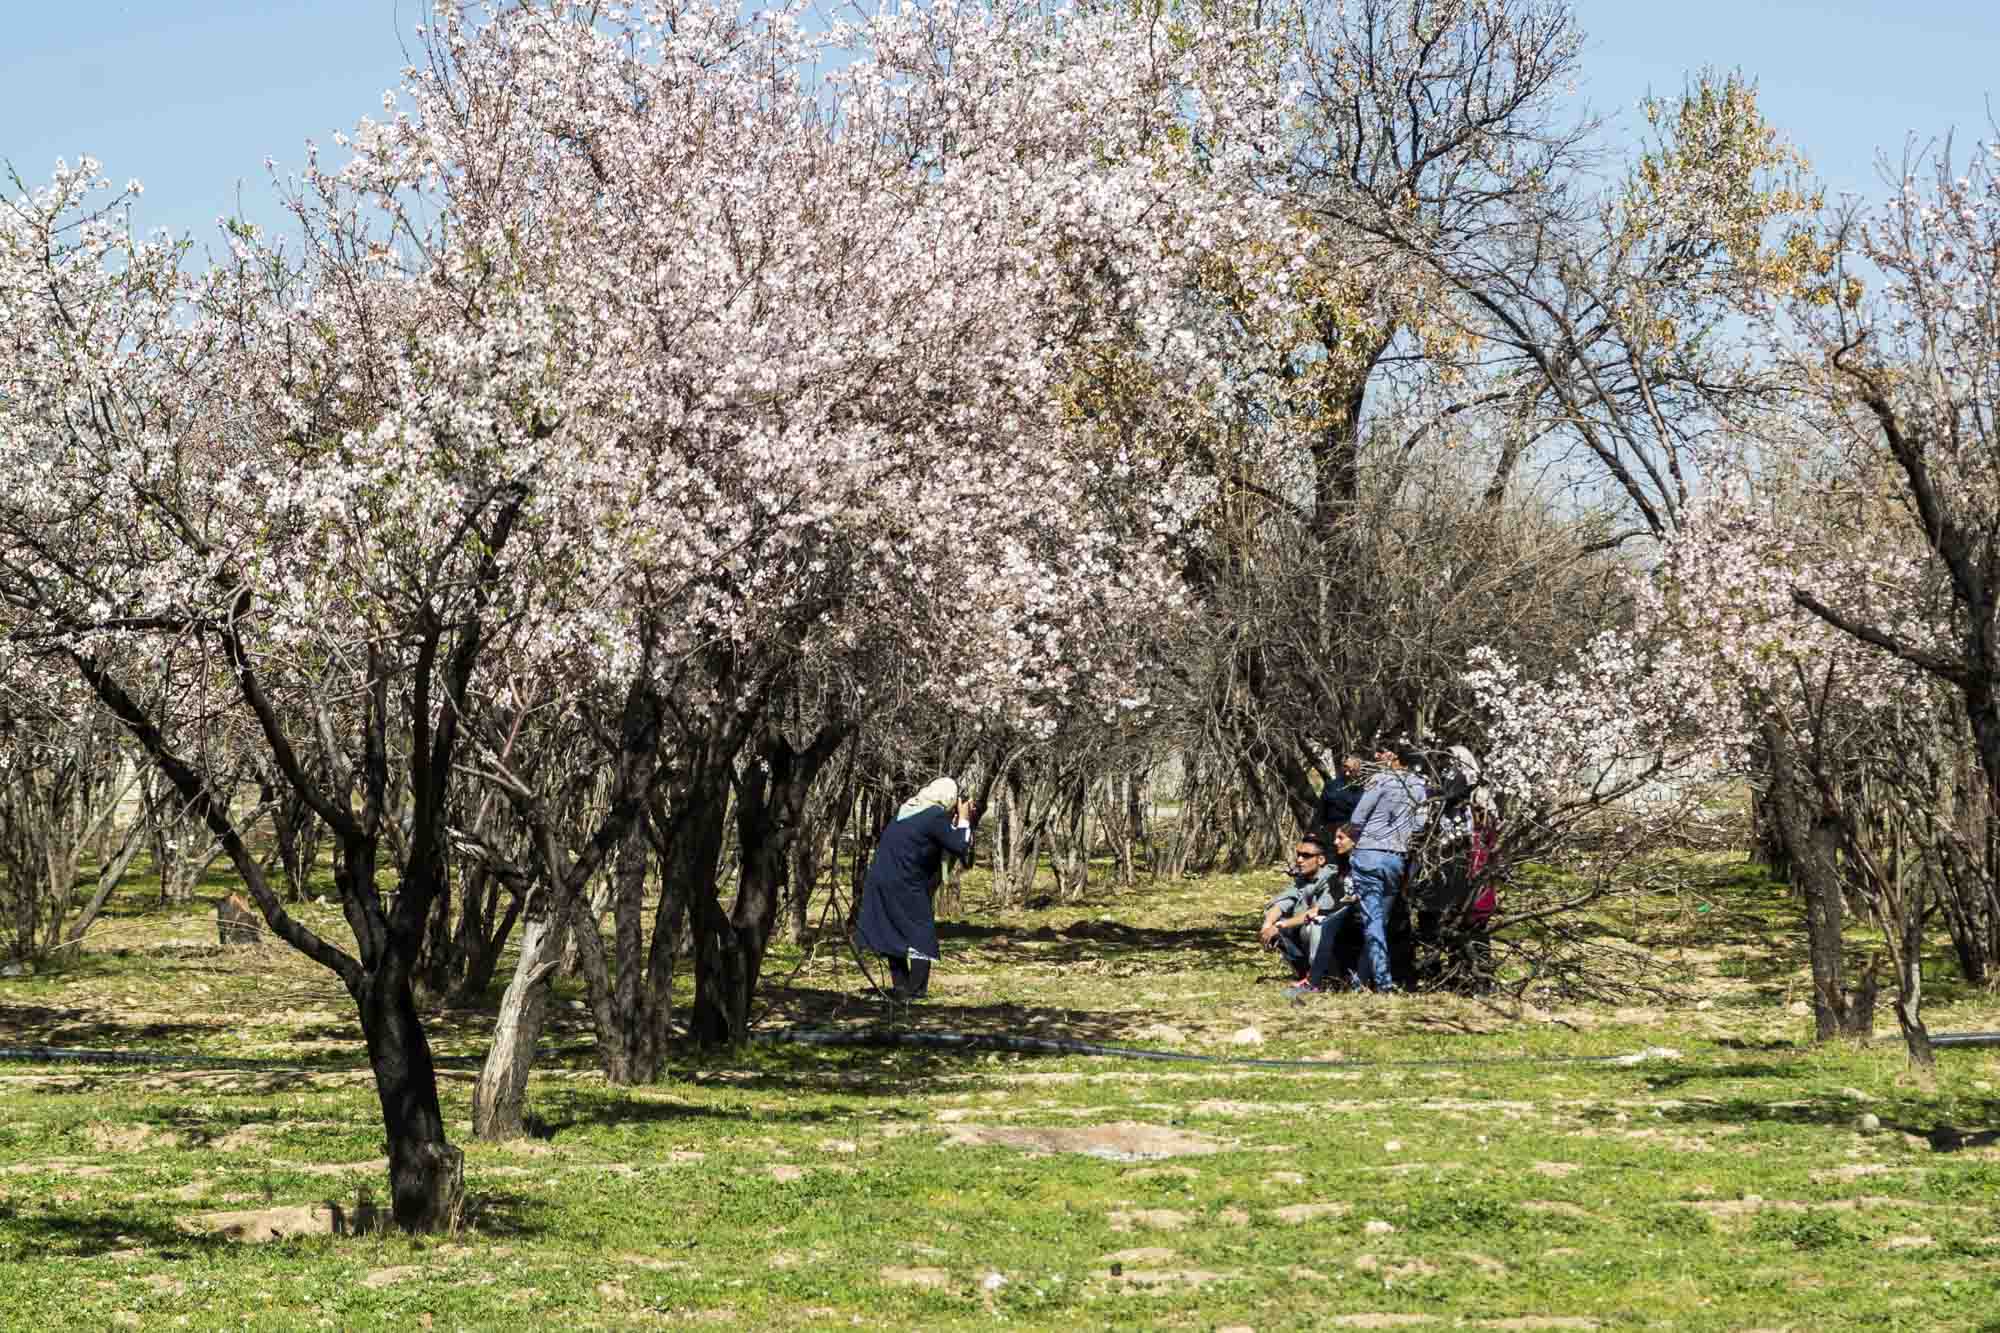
[
  {"x": 825, "y": 403},
  {"x": 1917, "y": 368},
  {"x": 619, "y": 357},
  {"x": 1844, "y": 732}
]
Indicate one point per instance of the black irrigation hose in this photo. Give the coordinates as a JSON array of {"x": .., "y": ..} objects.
[
  {"x": 890, "y": 1038},
  {"x": 49, "y": 1055},
  {"x": 1948, "y": 1039}
]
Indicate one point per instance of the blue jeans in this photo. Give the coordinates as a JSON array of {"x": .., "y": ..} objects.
[
  {"x": 1330, "y": 928},
  {"x": 1377, "y": 878}
]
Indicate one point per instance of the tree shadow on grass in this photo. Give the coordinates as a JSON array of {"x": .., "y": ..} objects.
[
  {"x": 1109, "y": 941},
  {"x": 1675, "y": 1076},
  {"x": 501, "y": 1215},
  {"x": 1977, "y": 1129},
  {"x": 40, "y": 1025},
  {"x": 558, "y": 1110},
  {"x": 812, "y": 1007},
  {"x": 88, "y": 1235}
]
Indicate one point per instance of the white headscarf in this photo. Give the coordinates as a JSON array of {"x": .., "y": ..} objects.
[
  {"x": 941, "y": 793},
  {"x": 1482, "y": 795}
]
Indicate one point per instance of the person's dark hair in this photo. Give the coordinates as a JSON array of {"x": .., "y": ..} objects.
[
  {"x": 1348, "y": 831},
  {"x": 1317, "y": 841}
]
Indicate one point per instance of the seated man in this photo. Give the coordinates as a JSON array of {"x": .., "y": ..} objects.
[
  {"x": 1336, "y": 953},
  {"x": 1290, "y": 919}
]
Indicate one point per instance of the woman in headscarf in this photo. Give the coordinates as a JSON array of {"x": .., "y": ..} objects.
[{"x": 896, "y": 916}]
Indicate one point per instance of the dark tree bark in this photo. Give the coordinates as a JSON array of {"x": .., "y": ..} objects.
[
  {"x": 426, "y": 1172},
  {"x": 730, "y": 947}
]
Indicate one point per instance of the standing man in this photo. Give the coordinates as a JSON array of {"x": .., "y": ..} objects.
[{"x": 1390, "y": 813}]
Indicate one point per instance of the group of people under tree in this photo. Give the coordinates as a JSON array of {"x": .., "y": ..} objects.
[{"x": 1419, "y": 831}]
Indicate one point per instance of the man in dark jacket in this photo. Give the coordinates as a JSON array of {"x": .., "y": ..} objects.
[
  {"x": 1340, "y": 795},
  {"x": 897, "y": 920}
]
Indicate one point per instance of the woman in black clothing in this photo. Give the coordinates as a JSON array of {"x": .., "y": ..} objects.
[{"x": 897, "y": 920}]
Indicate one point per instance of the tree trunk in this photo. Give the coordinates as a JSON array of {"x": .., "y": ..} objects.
[
  {"x": 730, "y": 948},
  {"x": 499, "y": 1099},
  {"x": 1823, "y": 929},
  {"x": 1909, "y": 997},
  {"x": 426, "y": 1173},
  {"x": 1810, "y": 836},
  {"x": 480, "y": 948},
  {"x": 726, "y": 961},
  {"x": 108, "y": 879},
  {"x": 632, "y": 1001}
]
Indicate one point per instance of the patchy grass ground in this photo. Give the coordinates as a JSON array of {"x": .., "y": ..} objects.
[{"x": 1449, "y": 1164}]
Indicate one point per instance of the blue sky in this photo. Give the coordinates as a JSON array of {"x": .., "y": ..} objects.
[{"x": 190, "y": 96}]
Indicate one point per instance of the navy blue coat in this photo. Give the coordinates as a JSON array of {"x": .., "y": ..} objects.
[
  {"x": 1337, "y": 800},
  {"x": 896, "y": 914}
]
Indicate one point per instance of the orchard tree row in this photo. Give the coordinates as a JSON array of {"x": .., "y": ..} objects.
[{"x": 664, "y": 437}]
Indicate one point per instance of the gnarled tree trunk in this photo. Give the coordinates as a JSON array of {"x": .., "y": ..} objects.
[{"x": 426, "y": 1173}]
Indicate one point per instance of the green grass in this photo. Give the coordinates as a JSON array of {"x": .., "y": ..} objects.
[{"x": 1470, "y": 1165}]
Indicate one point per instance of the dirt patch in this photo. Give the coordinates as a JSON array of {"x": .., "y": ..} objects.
[
  {"x": 1163, "y": 1277},
  {"x": 242, "y": 1138},
  {"x": 56, "y": 1166},
  {"x": 1557, "y": 1170},
  {"x": 785, "y": 1174},
  {"x": 1294, "y": 1214},
  {"x": 930, "y": 1278},
  {"x": 389, "y": 1277},
  {"x": 306, "y": 1219},
  {"x": 165, "y": 1285},
  {"x": 107, "y": 1137},
  {"x": 1528, "y": 1321},
  {"x": 1859, "y": 1170},
  {"x": 1381, "y": 1320},
  {"x": 1121, "y": 1141},
  {"x": 1158, "y": 1219},
  {"x": 375, "y": 1167},
  {"x": 1145, "y": 1254}
]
